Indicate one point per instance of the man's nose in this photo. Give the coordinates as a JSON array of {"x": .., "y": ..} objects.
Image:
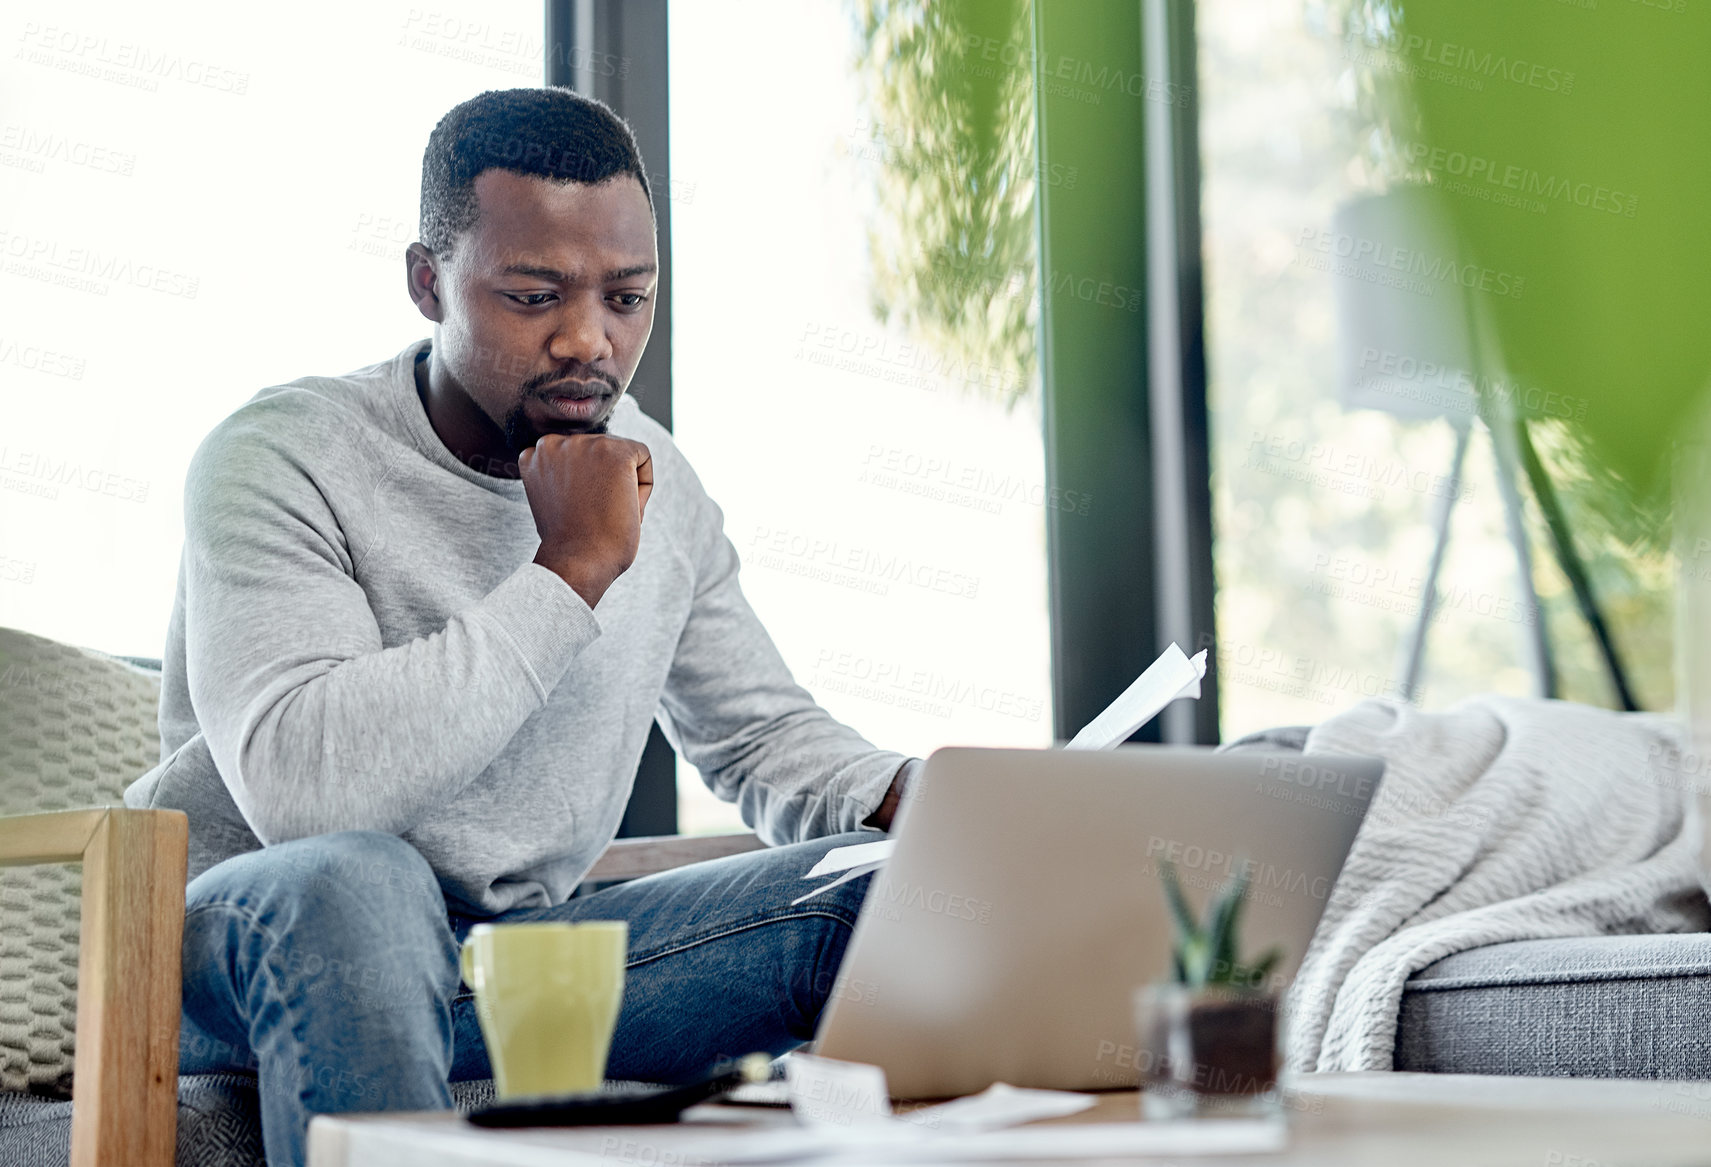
[{"x": 580, "y": 336}]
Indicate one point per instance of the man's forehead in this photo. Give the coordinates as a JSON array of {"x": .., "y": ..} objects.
[{"x": 529, "y": 221}]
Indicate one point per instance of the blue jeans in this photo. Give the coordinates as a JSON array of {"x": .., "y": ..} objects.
[{"x": 328, "y": 966}]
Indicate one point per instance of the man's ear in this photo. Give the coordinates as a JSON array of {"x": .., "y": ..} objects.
[{"x": 423, "y": 280}]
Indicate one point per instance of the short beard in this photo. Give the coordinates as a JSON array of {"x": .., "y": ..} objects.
[{"x": 520, "y": 433}]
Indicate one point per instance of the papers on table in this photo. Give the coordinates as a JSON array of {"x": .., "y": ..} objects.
[
  {"x": 1003, "y": 1105},
  {"x": 829, "y": 1092},
  {"x": 1171, "y": 676},
  {"x": 848, "y": 1103}
]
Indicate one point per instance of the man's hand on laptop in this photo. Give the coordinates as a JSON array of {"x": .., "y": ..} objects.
[{"x": 587, "y": 493}]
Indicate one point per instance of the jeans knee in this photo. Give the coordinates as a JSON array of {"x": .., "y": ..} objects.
[
  {"x": 356, "y": 916},
  {"x": 366, "y": 882},
  {"x": 372, "y": 865}
]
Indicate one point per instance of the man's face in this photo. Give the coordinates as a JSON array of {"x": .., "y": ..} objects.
[{"x": 546, "y": 303}]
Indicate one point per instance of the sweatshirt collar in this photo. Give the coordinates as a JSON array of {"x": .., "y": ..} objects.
[{"x": 401, "y": 382}]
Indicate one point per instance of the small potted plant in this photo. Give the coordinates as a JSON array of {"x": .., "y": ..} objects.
[{"x": 1208, "y": 1037}]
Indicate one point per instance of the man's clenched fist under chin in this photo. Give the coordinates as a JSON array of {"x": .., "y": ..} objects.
[{"x": 587, "y": 493}]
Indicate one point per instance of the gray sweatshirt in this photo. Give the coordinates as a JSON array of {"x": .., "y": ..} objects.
[{"x": 360, "y": 641}]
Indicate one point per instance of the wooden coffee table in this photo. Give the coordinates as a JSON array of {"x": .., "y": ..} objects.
[{"x": 1393, "y": 1120}]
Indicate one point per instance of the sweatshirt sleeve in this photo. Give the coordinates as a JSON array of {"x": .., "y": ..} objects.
[
  {"x": 313, "y": 725},
  {"x": 732, "y": 709}
]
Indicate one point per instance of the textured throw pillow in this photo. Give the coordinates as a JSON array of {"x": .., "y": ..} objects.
[{"x": 75, "y": 728}]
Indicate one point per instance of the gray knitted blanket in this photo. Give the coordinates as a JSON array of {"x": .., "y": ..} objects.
[{"x": 1500, "y": 819}]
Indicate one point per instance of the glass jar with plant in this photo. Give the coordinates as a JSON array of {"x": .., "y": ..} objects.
[{"x": 1208, "y": 1037}]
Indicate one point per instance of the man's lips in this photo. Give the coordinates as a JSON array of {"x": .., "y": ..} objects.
[
  {"x": 575, "y": 408},
  {"x": 577, "y": 390}
]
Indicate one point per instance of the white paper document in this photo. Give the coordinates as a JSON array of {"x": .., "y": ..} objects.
[
  {"x": 1001, "y": 1105},
  {"x": 849, "y": 1102},
  {"x": 1171, "y": 676},
  {"x": 843, "y": 858},
  {"x": 853, "y": 861},
  {"x": 829, "y": 1092},
  {"x": 856, "y": 872}
]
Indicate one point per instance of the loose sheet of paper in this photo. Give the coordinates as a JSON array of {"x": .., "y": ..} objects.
[
  {"x": 851, "y": 1102},
  {"x": 1002, "y": 1105},
  {"x": 829, "y": 1092},
  {"x": 855, "y": 872},
  {"x": 843, "y": 858},
  {"x": 1171, "y": 676}
]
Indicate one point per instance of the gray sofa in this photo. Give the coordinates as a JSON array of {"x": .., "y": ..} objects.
[
  {"x": 1599, "y": 1007},
  {"x": 76, "y": 726}
]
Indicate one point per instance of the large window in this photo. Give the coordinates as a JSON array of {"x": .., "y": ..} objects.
[
  {"x": 1326, "y": 500},
  {"x": 888, "y": 504},
  {"x": 194, "y": 212}
]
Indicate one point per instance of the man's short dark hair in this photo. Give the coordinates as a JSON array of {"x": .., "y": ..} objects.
[{"x": 552, "y": 133}]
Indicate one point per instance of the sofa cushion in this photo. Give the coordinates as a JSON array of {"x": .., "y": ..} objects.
[{"x": 1599, "y": 1006}]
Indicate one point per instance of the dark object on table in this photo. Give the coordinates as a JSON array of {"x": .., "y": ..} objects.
[
  {"x": 641, "y": 1104},
  {"x": 1233, "y": 1039}
]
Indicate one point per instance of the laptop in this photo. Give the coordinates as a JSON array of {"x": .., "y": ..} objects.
[{"x": 1003, "y": 940}]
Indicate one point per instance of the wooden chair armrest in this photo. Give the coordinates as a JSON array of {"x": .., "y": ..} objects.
[
  {"x": 651, "y": 854},
  {"x": 125, "y": 1094}
]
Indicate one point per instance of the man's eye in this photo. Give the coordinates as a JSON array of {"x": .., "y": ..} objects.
[
  {"x": 631, "y": 299},
  {"x": 531, "y": 299}
]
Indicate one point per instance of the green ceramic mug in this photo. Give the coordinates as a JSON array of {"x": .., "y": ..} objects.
[{"x": 547, "y": 997}]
